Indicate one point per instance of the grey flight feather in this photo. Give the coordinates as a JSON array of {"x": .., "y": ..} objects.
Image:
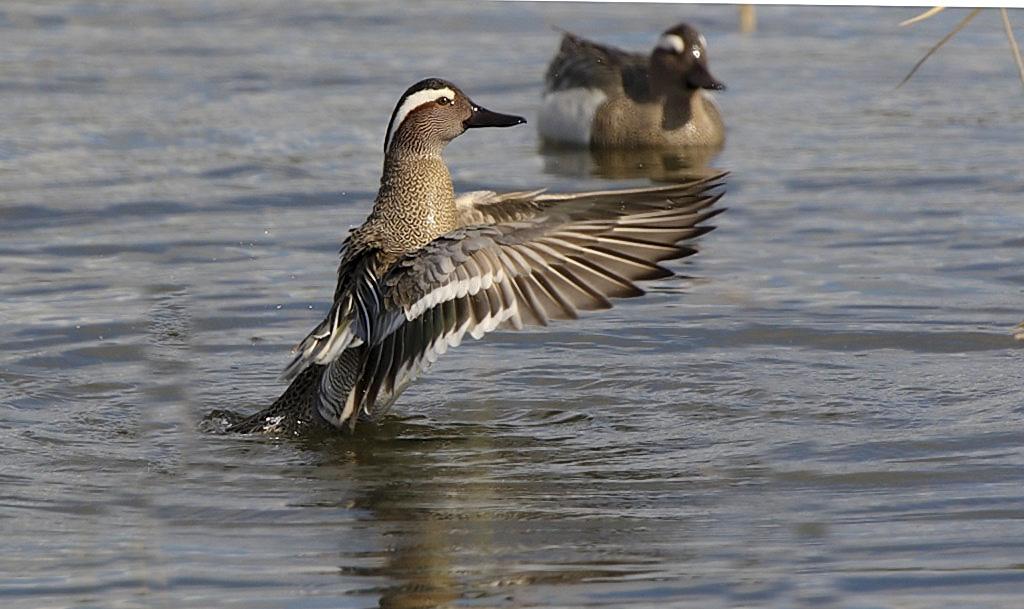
[{"x": 353, "y": 317}]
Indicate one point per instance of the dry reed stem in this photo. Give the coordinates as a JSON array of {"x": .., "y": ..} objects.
[
  {"x": 1013, "y": 44},
  {"x": 944, "y": 40},
  {"x": 928, "y": 13}
]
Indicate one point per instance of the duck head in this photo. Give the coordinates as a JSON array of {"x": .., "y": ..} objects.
[
  {"x": 680, "y": 60},
  {"x": 433, "y": 112}
]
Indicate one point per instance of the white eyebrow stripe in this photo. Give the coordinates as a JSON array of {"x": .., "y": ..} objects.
[
  {"x": 703, "y": 42},
  {"x": 414, "y": 101},
  {"x": 671, "y": 42}
]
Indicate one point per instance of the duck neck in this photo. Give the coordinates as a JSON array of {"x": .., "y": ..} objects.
[
  {"x": 416, "y": 200},
  {"x": 678, "y": 106}
]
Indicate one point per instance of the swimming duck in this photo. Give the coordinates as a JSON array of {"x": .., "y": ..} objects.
[
  {"x": 427, "y": 268},
  {"x": 603, "y": 97}
]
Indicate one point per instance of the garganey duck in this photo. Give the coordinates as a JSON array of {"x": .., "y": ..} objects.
[
  {"x": 427, "y": 268},
  {"x": 603, "y": 97}
]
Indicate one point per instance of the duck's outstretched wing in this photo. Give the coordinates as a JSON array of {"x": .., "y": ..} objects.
[
  {"x": 557, "y": 256},
  {"x": 582, "y": 63}
]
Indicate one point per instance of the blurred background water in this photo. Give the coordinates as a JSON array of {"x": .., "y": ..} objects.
[{"x": 827, "y": 413}]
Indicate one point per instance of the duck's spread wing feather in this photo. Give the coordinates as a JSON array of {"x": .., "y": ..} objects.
[
  {"x": 572, "y": 253},
  {"x": 582, "y": 63},
  {"x": 353, "y": 318},
  {"x": 488, "y": 207}
]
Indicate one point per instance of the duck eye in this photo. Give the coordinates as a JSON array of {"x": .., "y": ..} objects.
[
  {"x": 443, "y": 101},
  {"x": 696, "y": 52}
]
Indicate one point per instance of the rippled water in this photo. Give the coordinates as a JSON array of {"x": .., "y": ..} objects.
[{"x": 828, "y": 413}]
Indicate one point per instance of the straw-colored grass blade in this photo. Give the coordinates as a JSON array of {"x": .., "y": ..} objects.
[
  {"x": 963, "y": 23},
  {"x": 935, "y": 10},
  {"x": 1013, "y": 44}
]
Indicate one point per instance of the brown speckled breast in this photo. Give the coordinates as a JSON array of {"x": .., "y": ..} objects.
[
  {"x": 668, "y": 122},
  {"x": 415, "y": 205}
]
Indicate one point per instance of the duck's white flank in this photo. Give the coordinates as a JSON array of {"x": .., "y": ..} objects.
[
  {"x": 414, "y": 101},
  {"x": 568, "y": 116},
  {"x": 671, "y": 42}
]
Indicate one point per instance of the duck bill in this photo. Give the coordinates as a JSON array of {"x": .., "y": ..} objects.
[
  {"x": 699, "y": 78},
  {"x": 482, "y": 117}
]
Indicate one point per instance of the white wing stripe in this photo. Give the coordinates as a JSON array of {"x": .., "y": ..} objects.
[
  {"x": 460, "y": 288},
  {"x": 337, "y": 343}
]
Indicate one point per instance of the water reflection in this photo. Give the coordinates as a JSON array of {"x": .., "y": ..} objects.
[
  {"x": 407, "y": 493},
  {"x": 657, "y": 164},
  {"x": 826, "y": 420},
  {"x": 447, "y": 508}
]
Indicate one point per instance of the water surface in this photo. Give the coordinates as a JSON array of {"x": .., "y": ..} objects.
[{"x": 827, "y": 413}]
